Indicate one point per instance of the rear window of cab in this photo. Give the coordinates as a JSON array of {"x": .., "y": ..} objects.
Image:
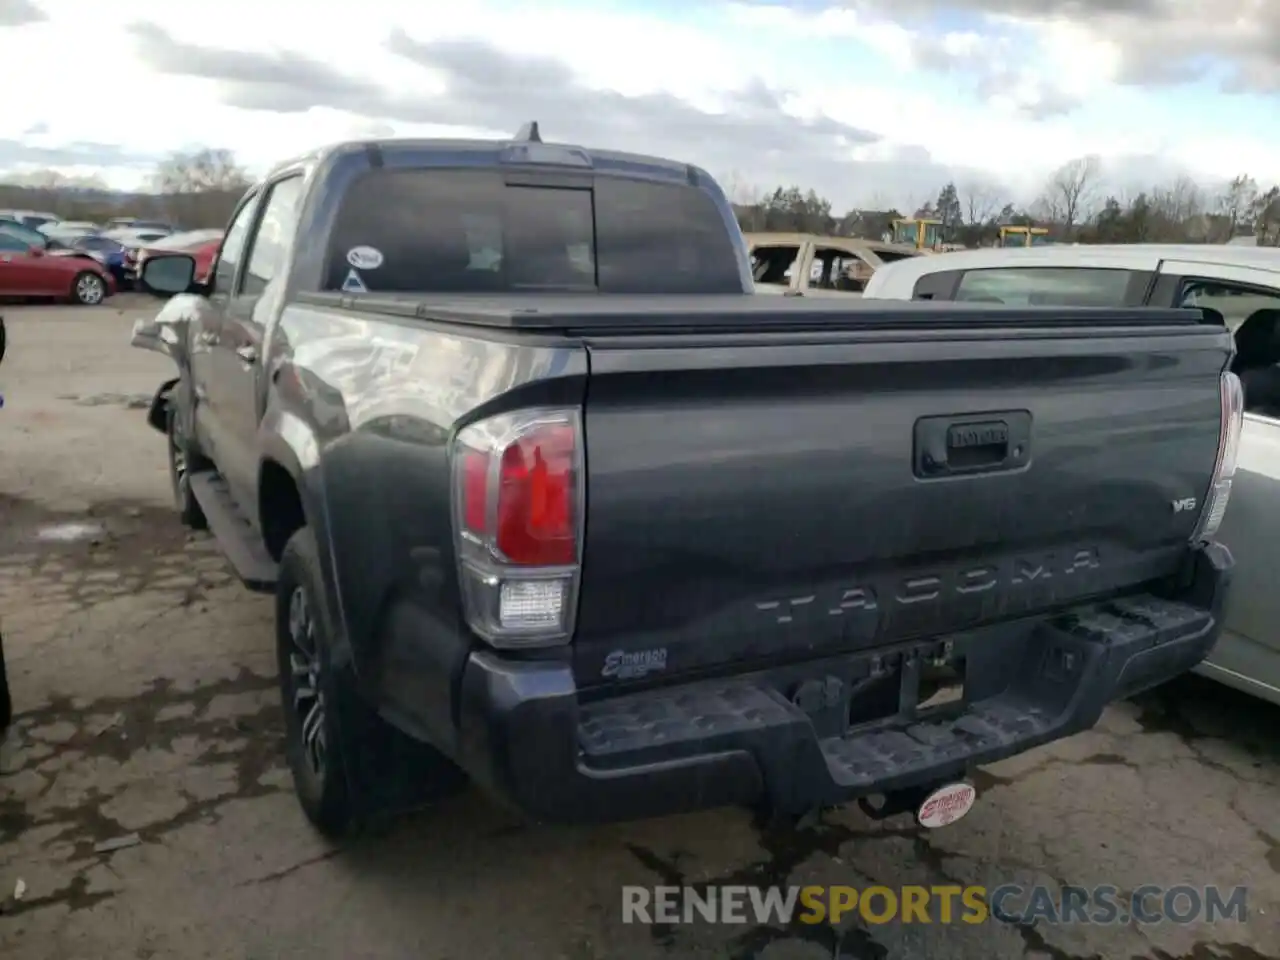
[{"x": 461, "y": 231}]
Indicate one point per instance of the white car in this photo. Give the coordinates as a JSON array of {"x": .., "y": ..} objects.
[
  {"x": 136, "y": 236},
  {"x": 65, "y": 230},
  {"x": 1242, "y": 285}
]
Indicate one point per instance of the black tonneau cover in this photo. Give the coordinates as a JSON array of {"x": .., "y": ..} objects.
[{"x": 615, "y": 313}]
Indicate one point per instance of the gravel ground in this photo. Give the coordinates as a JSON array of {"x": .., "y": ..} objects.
[{"x": 145, "y": 810}]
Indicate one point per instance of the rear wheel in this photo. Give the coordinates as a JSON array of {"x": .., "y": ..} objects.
[
  {"x": 350, "y": 767},
  {"x": 88, "y": 288},
  {"x": 308, "y": 691}
]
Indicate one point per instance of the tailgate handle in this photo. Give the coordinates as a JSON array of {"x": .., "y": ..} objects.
[{"x": 972, "y": 443}]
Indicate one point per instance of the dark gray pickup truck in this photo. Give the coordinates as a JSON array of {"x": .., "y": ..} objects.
[{"x": 551, "y": 502}]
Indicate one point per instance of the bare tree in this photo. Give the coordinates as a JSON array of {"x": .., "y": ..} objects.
[
  {"x": 981, "y": 202},
  {"x": 879, "y": 201},
  {"x": 200, "y": 189},
  {"x": 51, "y": 190},
  {"x": 1266, "y": 218},
  {"x": 747, "y": 200},
  {"x": 741, "y": 191},
  {"x": 1073, "y": 190},
  {"x": 1179, "y": 209},
  {"x": 918, "y": 205},
  {"x": 1048, "y": 207},
  {"x": 1236, "y": 204},
  {"x": 200, "y": 172}
]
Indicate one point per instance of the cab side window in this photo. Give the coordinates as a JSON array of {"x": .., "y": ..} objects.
[
  {"x": 271, "y": 242},
  {"x": 224, "y": 273},
  {"x": 10, "y": 244}
]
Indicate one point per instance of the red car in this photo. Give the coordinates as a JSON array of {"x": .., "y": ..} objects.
[
  {"x": 200, "y": 244},
  {"x": 27, "y": 271}
]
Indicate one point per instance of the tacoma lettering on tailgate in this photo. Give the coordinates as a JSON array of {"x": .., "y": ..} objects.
[{"x": 992, "y": 577}]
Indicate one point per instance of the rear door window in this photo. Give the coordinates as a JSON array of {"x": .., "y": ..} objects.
[
  {"x": 774, "y": 264},
  {"x": 1047, "y": 286},
  {"x": 410, "y": 231},
  {"x": 843, "y": 270}
]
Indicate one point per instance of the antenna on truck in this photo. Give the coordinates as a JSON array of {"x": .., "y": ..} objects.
[{"x": 529, "y": 133}]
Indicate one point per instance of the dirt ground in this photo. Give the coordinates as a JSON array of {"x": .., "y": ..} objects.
[{"x": 145, "y": 811}]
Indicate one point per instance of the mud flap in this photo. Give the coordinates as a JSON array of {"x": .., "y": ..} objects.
[{"x": 388, "y": 772}]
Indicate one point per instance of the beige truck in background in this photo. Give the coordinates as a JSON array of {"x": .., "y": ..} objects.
[{"x": 804, "y": 264}]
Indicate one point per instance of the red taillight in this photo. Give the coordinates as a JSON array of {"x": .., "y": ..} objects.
[
  {"x": 535, "y": 492},
  {"x": 517, "y": 494}
]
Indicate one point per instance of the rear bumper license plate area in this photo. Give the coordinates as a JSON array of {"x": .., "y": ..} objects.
[
  {"x": 819, "y": 739},
  {"x": 830, "y": 731}
]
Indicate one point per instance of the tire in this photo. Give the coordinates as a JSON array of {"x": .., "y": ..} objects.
[
  {"x": 88, "y": 289},
  {"x": 182, "y": 460},
  {"x": 309, "y": 691},
  {"x": 3, "y": 338},
  {"x": 368, "y": 770}
]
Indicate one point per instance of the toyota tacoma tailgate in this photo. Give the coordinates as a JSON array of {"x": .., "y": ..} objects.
[{"x": 761, "y": 494}]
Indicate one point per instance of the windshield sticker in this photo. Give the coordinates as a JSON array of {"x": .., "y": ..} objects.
[
  {"x": 353, "y": 283},
  {"x": 365, "y": 258}
]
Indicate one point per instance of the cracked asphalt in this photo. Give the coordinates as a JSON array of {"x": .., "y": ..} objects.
[{"x": 145, "y": 807}]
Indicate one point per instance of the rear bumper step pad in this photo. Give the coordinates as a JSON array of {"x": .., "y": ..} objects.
[{"x": 527, "y": 735}]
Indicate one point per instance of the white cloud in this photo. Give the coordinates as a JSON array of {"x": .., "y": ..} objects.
[{"x": 955, "y": 103}]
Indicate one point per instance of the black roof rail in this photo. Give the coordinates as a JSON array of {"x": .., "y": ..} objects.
[{"x": 529, "y": 133}]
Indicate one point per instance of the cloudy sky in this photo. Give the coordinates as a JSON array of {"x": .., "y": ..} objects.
[{"x": 864, "y": 100}]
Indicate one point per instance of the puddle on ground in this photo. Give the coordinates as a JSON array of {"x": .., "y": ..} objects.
[{"x": 69, "y": 532}]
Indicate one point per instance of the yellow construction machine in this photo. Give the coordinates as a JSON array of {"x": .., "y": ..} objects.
[
  {"x": 921, "y": 233},
  {"x": 1024, "y": 236}
]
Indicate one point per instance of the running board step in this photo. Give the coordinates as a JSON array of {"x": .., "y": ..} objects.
[{"x": 240, "y": 543}]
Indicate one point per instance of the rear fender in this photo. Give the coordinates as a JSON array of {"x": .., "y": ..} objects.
[{"x": 287, "y": 439}]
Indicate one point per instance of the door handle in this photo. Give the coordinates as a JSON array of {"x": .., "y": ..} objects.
[
  {"x": 247, "y": 353},
  {"x": 206, "y": 338}
]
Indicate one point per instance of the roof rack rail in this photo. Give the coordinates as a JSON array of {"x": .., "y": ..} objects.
[{"x": 529, "y": 133}]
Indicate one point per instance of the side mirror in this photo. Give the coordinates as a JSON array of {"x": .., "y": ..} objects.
[
  {"x": 36, "y": 251},
  {"x": 168, "y": 275}
]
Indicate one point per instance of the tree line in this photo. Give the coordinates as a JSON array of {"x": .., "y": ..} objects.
[
  {"x": 195, "y": 190},
  {"x": 201, "y": 188},
  {"x": 1074, "y": 205}
]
